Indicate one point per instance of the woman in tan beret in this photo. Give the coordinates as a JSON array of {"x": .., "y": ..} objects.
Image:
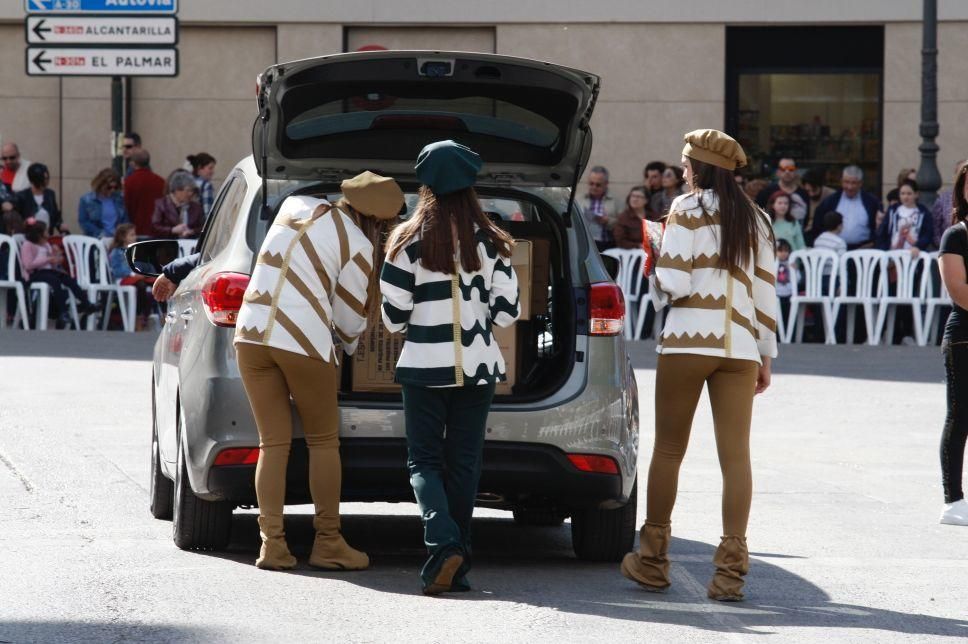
[{"x": 716, "y": 273}]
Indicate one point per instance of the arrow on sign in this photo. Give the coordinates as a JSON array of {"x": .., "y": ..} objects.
[
  {"x": 40, "y": 29},
  {"x": 40, "y": 61}
]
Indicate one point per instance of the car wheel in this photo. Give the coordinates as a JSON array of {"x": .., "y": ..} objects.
[
  {"x": 160, "y": 488},
  {"x": 538, "y": 517},
  {"x": 198, "y": 524},
  {"x": 605, "y": 535}
]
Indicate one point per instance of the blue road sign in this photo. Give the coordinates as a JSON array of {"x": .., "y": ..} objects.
[{"x": 140, "y": 7}]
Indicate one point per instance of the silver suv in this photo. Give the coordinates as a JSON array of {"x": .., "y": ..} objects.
[{"x": 562, "y": 442}]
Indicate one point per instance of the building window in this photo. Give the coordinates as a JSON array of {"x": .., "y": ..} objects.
[{"x": 787, "y": 97}]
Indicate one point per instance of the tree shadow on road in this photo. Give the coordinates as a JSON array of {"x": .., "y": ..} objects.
[{"x": 535, "y": 566}]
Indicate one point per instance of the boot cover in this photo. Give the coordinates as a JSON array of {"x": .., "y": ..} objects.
[
  {"x": 649, "y": 567},
  {"x": 274, "y": 553},
  {"x": 732, "y": 560},
  {"x": 330, "y": 550}
]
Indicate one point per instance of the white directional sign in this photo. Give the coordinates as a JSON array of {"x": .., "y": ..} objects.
[
  {"x": 140, "y": 7},
  {"x": 93, "y": 61},
  {"x": 102, "y": 30}
]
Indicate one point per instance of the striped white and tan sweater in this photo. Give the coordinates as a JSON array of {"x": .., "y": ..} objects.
[
  {"x": 448, "y": 318},
  {"x": 310, "y": 279},
  {"x": 713, "y": 312}
]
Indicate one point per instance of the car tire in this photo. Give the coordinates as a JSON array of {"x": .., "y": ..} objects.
[
  {"x": 198, "y": 524},
  {"x": 545, "y": 517},
  {"x": 161, "y": 490},
  {"x": 605, "y": 535}
]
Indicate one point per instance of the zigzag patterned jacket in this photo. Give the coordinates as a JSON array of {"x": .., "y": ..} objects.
[
  {"x": 448, "y": 318},
  {"x": 713, "y": 312},
  {"x": 310, "y": 279}
]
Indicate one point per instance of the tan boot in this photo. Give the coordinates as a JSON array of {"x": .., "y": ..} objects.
[
  {"x": 274, "y": 554},
  {"x": 330, "y": 550},
  {"x": 732, "y": 560},
  {"x": 649, "y": 567}
]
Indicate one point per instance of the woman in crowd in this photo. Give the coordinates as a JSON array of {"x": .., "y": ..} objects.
[
  {"x": 102, "y": 209},
  {"x": 203, "y": 169},
  {"x": 953, "y": 262},
  {"x": 124, "y": 236},
  {"x": 785, "y": 225},
  {"x": 716, "y": 271},
  {"x": 42, "y": 262},
  {"x": 627, "y": 228},
  {"x": 908, "y": 225},
  {"x": 178, "y": 215},
  {"x": 907, "y": 174},
  {"x": 311, "y": 279},
  {"x": 672, "y": 183},
  {"x": 39, "y": 201},
  {"x": 446, "y": 280}
]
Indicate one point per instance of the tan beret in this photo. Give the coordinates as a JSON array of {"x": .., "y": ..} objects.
[
  {"x": 373, "y": 195},
  {"x": 714, "y": 147}
]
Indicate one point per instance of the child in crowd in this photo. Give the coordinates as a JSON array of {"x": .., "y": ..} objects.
[
  {"x": 785, "y": 225},
  {"x": 784, "y": 286},
  {"x": 833, "y": 225},
  {"x": 124, "y": 236},
  {"x": 42, "y": 262}
]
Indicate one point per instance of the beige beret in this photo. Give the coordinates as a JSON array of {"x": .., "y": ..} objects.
[
  {"x": 714, "y": 147},
  {"x": 373, "y": 195}
]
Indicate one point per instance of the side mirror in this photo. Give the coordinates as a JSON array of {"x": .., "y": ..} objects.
[
  {"x": 611, "y": 266},
  {"x": 150, "y": 257}
]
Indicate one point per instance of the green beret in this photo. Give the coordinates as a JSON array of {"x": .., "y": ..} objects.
[{"x": 446, "y": 167}]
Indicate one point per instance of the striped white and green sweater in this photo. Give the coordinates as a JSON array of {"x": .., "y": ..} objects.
[
  {"x": 713, "y": 312},
  {"x": 448, "y": 318}
]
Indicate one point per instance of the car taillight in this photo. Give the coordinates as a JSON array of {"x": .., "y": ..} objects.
[
  {"x": 238, "y": 456},
  {"x": 607, "y": 315},
  {"x": 594, "y": 463},
  {"x": 222, "y": 295}
]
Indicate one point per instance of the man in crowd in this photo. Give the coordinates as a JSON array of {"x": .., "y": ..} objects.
[
  {"x": 789, "y": 182},
  {"x": 861, "y": 211},
  {"x": 129, "y": 145},
  {"x": 941, "y": 210},
  {"x": 652, "y": 175},
  {"x": 142, "y": 188},
  {"x": 14, "y": 172},
  {"x": 816, "y": 192},
  {"x": 599, "y": 208}
]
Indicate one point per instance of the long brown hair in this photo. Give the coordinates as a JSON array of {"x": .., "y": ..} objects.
[
  {"x": 739, "y": 217},
  {"x": 771, "y": 206},
  {"x": 959, "y": 205},
  {"x": 376, "y": 231},
  {"x": 433, "y": 220}
]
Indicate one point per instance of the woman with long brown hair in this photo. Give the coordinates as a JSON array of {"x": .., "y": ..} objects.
[
  {"x": 716, "y": 271},
  {"x": 446, "y": 280},
  {"x": 953, "y": 261}
]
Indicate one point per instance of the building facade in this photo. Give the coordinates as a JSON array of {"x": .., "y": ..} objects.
[{"x": 826, "y": 82}]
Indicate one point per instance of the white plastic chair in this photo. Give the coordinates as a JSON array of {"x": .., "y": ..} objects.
[
  {"x": 934, "y": 294},
  {"x": 908, "y": 292},
  {"x": 629, "y": 279},
  {"x": 812, "y": 263},
  {"x": 186, "y": 246},
  {"x": 863, "y": 293},
  {"x": 11, "y": 283},
  {"x": 89, "y": 262}
]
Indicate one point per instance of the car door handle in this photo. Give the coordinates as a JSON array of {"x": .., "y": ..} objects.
[{"x": 187, "y": 315}]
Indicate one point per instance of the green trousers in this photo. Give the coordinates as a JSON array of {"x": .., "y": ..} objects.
[{"x": 445, "y": 439}]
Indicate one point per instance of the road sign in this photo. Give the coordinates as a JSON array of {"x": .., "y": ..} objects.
[
  {"x": 102, "y": 30},
  {"x": 94, "y": 61},
  {"x": 140, "y": 7}
]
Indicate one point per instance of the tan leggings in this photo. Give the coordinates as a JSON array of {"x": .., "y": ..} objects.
[
  {"x": 270, "y": 376},
  {"x": 679, "y": 382}
]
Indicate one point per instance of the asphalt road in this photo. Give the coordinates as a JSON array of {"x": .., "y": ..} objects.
[{"x": 844, "y": 533}]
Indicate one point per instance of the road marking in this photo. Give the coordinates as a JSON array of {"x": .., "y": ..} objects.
[{"x": 20, "y": 475}]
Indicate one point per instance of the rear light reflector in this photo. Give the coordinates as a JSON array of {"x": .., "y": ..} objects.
[
  {"x": 594, "y": 463},
  {"x": 607, "y": 304},
  {"x": 222, "y": 295},
  {"x": 238, "y": 456}
]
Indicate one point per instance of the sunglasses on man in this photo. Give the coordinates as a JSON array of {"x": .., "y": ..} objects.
[{"x": 13, "y": 158}]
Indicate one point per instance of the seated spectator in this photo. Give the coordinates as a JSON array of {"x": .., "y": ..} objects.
[
  {"x": 908, "y": 224},
  {"x": 102, "y": 209},
  {"x": 830, "y": 238},
  {"x": 860, "y": 210},
  {"x": 652, "y": 176},
  {"x": 43, "y": 263},
  {"x": 142, "y": 188},
  {"x": 672, "y": 183},
  {"x": 124, "y": 236},
  {"x": 812, "y": 183},
  {"x": 178, "y": 215},
  {"x": 904, "y": 175},
  {"x": 203, "y": 169},
  {"x": 628, "y": 225},
  {"x": 784, "y": 225},
  {"x": 789, "y": 182},
  {"x": 39, "y": 201},
  {"x": 784, "y": 287}
]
